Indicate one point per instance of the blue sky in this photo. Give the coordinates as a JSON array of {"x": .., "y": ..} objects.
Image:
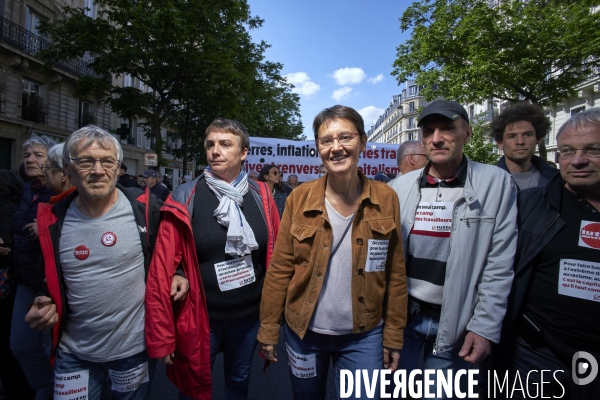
[{"x": 334, "y": 51}]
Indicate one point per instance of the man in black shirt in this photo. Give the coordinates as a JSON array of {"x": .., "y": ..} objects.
[
  {"x": 552, "y": 323},
  {"x": 151, "y": 178},
  {"x": 125, "y": 179}
]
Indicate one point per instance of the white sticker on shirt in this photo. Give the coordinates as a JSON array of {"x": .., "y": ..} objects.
[
  {"x": 71, "y": 386},
  {"x": 434, "y": 218},
  {"x": 303, "y": 366},
  {"x": 130, "y": 380},
  {"x": 589, "y": 235},
  {"x": 376, "y": 256},
  {"x": 236, "y": 273},
  {"x": 579, "y": 279}
]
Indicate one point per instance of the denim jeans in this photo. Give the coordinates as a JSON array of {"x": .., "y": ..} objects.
[
  {"x": 100, "y": 374},
  {"x": 237, "y": 340},
  {"x": 362, "y": 351},
  {"x": 419, "y": 339},
  {"x": 28, "y": 347}
]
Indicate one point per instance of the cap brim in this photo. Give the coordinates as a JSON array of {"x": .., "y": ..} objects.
[{"x": 450, "y": 115}]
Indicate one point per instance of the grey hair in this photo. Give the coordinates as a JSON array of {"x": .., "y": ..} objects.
[
  {"x": 43, "y": 141},
  {"x": 89, "y": 135},
  {"x": 580, "y": 120},
  {"x": 55, "y": 155},
  {"x": 405, "y": 147}
]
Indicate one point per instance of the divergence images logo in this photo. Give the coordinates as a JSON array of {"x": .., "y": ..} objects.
[{"x": 580, "y": 367}]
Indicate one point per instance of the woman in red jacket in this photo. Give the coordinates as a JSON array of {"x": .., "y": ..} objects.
[{"x": 220, "y": 229}]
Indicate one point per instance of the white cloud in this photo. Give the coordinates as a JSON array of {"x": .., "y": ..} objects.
[
  {"x": 341, "y": 93},
  {"x": 370, "y": 114},
  {"x": 302, "y": 84},
  {"x": 345, "y": 76},
  {"x": 376, "y": 79}
]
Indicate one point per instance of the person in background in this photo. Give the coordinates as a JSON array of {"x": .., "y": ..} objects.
[
  {"x": 151, "y": 179},
  {"x": 340, "y": 299},
  {"x": 253, "y": 175},
  {"x": 27, "y": 344},
  {"x": 271, "y": 175},
  {"x": 220, "y": 229},
  {"x": 322, "y": 170},
  {"x": 12, "y": 377},
  {"x": 125, "y": 179},
  {"x": 518, "y": 130},
  {"x": 411, "y": 156},
  {"x": 292, "y": 181},
  {"x": 553, "y": 310},
  {"x": 381, "y": 177},
  {"x": 56, "y": 178}
]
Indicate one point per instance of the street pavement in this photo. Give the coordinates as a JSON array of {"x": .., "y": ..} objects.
[{"x": 273, "y": 384}]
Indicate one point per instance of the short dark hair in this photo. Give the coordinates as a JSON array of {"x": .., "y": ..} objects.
[
  {"x": 531, "y": 113},
  {"x": 231, "y": 126},
  {"x": 339, "y": 112}
]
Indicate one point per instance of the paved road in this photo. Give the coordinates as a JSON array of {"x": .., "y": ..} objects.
[{"x": 274, "y": 384}]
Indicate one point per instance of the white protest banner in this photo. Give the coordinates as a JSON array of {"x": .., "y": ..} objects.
[{"x": 302, "y": 158}]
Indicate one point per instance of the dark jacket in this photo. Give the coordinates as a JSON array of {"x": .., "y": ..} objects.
[
  {"x": 539, "y": 163},
  {"x": 127, "y": 181},
  {"x": 8, "y": 208},
  {"x": 160, "y": 191},
  {"x": 146, "y": 211},
  {"x": 538, "y": 221},
  {"x": 280, "y": 198},
  {"x": 26, "y": 250}
]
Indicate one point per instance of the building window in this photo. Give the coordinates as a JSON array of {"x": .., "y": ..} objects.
[
  {"x": 32, "y": 104},
  {"x": 412, "y": 91},
  {"x": 32, "y": 22},
  {"x": 90, "y": 9},
  {"x": 141, "y": 85},
  {"x": 127, "y": 80},
  {"x": 577, "y": 110},
  {"x": 411, "y": 123},
  {"x": 411, "y": 107},
  {"x": 471, "y": 111},
  {"x": 86, "y": 113},
  {"x": 411, "y": 136}
]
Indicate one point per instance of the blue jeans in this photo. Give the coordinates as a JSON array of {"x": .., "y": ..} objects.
[
  {"x": 419, "y": 338},
  {"x": 237, "y": 340},
  {"x": 122, "y": 387},
  {"x": 28, "y": 347},
  {"x": 362, "y": 351}
]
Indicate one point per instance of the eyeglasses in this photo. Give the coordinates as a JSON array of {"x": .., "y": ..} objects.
[
  {"x": 276, "y": 173},
  {"x": 87, "y": 164},
  {"x": 342, "y": 138},
  {"x": 568, "y": 152}
]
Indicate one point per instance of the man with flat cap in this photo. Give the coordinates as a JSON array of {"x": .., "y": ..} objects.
[
  {"x": 460, "y": 235},
  {"x": 152, "y": 179}
]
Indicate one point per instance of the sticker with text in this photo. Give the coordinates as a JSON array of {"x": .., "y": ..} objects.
[
  {"x": 589, "y": 235},
  {"x": 303, "y": 366},
  {"x": 434, "y": 218},
  {"x": 579, "y": 279},
  {"x": 376, "y": 256},
  {"x": 130, "y": 380},
  {"x": 72, "y": 385},
  {"x": 236, "y": 273}
]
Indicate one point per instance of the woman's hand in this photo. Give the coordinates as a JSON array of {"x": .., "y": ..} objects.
[{"x": 268, "y": 351}]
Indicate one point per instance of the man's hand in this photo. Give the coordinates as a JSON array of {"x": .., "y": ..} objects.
[
  {"x": 3, "y": 250},
  {"x": 31, "y": 229},
  {"x": 391, "y": 358},
  {"x": 179, "y": 288},
  {"x": 168, "y": 359},
  {"x": 268, "y": 351},
  {"x": 42, "y": 315},
  {"x": 475, "y": 349}
]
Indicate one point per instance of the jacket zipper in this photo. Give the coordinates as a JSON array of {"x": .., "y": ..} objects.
[{"x": 435, "y": 345}]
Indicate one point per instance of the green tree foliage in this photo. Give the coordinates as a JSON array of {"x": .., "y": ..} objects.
[
  {"x": 480, "y": 147},
  {"x": 470, "y": 50},
  {"x": 192, "y": 53}
]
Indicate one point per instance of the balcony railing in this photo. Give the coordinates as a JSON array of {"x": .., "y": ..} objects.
[
  {"x": 33, "y": 114},
  {"x": 30, "y": 43}
]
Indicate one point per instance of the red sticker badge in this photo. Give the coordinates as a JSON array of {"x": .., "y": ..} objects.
[
  {"x": 589, "y": 236},
  {"x": 82, "y": 252},
  {"x": 109, "y": 239}
]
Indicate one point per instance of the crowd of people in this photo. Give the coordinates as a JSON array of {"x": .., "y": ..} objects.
[{"x": 451, "y": 265}]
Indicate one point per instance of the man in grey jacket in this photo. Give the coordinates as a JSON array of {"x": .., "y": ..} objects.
[{"x": 459, "y": 229}]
